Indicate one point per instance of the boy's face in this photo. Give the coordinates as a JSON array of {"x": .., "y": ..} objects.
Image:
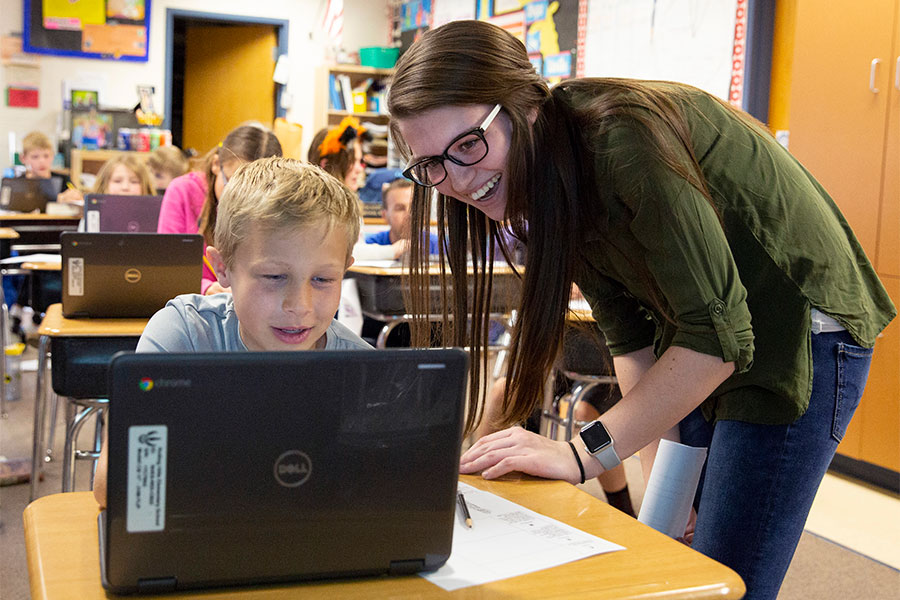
[
  {"x": 286, "y": 285},
  {"x": 397, "y": 212},
  {"x": 38, "y": 162}
]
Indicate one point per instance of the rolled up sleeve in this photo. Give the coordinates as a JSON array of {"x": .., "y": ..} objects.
[
  {"x": 625, "y": 324},
  {"x": 686, "y": 252}
]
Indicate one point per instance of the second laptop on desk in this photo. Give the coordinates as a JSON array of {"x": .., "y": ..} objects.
[
  {"x": 116, "y": 213},
  {"x": 127, "y": 274},
  {"x": 21, "y": 194}
]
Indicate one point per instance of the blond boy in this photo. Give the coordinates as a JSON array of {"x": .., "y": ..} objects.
[
  {"x": 283, "y": 241},
  {"x": 37, "y": 156}
]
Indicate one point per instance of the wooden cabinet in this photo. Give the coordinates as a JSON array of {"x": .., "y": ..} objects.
[
  {"x": 842, "y": 106},
  {"x": 90, "y": 161}
]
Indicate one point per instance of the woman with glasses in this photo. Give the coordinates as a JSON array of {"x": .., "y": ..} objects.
[
  {"x": 738, "y": 307},
  {"x": 189, "y": 203}
]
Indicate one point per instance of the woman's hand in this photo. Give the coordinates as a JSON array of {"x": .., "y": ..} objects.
[{"x": 515, "y": 449}]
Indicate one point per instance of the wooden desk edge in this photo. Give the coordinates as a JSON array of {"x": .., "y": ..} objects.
[
  {"x": 80, "y": 506},
  {"x": 56, "y": 325}
]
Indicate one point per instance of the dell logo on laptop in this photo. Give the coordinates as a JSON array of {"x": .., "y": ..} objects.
[
  {"x": 292, "y": 469},
  {"x": 132, "y": 275}
]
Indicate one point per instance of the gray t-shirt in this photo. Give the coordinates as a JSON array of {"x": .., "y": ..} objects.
[{"x": 195, "y": 323}]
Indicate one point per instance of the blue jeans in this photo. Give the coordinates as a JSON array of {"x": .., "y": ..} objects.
[{"x": 760, "y": 480}]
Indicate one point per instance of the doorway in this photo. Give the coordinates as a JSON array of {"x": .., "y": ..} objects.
[{"x": 219, "y": 74}]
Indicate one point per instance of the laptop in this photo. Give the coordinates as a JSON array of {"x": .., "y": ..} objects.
[
  {"x": 127, "y": 274},
  {"x": 262, "y": 467},
  {"x": 115, "y": 213},
  {"x": 25, "y": 195}
]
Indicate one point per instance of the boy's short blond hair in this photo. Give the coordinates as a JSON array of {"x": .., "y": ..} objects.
[
  {"x": 36, "y": 141},
  {"x": 276, "y": 193},
  {"x": 169, "y": 160}
]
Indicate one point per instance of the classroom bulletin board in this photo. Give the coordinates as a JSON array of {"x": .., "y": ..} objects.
[
  {"x": 104, "y": 29},
  {"x": 700, "y": 42}
]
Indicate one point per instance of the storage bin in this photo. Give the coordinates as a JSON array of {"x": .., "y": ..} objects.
[{"x": 379, "y": 57}]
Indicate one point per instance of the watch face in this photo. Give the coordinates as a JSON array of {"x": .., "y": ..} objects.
[{"x": 595, "y": 437}]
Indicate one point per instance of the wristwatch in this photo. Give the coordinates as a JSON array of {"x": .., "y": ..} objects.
[{"x": 599, "y": 444}]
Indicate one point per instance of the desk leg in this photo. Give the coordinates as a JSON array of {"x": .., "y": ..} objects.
[
  {"x": 39, "y": 398},
  {"x": 381, "y": 341},
  {"x": 69, "y": 453},
  {"x": 4, "y": 342}
]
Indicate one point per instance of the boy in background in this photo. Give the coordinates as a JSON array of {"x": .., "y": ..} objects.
[
  {"x": 283, "y": 241},
  {"x": 396, "y": 198},
  {"x": 37, "y": 156}
]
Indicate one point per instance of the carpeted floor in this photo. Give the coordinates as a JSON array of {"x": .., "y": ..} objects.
[{"x": 820, "y": 570}]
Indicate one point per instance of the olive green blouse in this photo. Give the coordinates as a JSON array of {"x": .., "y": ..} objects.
[{"x": 737, "y": 281}]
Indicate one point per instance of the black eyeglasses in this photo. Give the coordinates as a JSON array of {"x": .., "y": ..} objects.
[{"x": 465, "y": 150}]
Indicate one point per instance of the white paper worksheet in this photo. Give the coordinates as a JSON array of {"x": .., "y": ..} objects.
[{"x": 507, "y": 540}]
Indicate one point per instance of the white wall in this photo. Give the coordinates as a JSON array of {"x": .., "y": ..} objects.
[{"x": 365, "y": 24}]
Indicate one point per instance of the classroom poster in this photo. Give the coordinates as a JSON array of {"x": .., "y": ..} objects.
[
  {"x": 549, "y": 30},
  {"x": 73, "y": 14}
]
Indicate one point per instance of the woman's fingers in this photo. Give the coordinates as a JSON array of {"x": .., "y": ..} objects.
[{"x": 515, "y": 449}]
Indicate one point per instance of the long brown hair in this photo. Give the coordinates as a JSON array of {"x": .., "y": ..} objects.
[
  {"x": 246, "y": 142},
  {"x": 553, "y": 197}
]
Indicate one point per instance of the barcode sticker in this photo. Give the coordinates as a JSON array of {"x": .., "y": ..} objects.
[
  {"x": 92, "y": 222},
  {"x": 147, "y": 449},
  {"x": 76, "y": 276}
]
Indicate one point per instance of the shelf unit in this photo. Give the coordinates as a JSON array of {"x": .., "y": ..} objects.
[{"x": 325, "y": 115}]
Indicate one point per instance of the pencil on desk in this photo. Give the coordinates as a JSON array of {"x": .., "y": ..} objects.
[
  {"x": 209, "y": 264},
  {"x": 461, "y": 501}
]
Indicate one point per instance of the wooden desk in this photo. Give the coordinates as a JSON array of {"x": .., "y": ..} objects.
[
  {"x": 81, "y": 349},
  {"x": 62, "y": 549},
  {"x": 35, "y": 229}
]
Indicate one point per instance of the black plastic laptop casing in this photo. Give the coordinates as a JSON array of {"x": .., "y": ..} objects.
[{"x": 281, "y": 466}]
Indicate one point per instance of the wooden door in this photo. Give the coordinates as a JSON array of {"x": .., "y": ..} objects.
[
  {"x": 837, "y": 123},
  {"x": 227, "y": 80}
]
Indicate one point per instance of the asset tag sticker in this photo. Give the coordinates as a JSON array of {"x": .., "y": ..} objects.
[
  {"x": 76, "y": 276},
  {"x": 147, "y": 449},
  {"x": 92, "y": 224}
]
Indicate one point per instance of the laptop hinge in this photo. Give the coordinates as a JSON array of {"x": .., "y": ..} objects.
[
  {"x": 157, "y": 584},
  {"x": 407, "y": 567}
]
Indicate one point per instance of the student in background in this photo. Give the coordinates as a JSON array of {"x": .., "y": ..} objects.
[
  {"x": 190, "y": 203},
  {"x": 124, "y": 175},
  {"x": 396, "y": 198},
  {"x": 37, "y": 156},
  {"x": 338, "y": 150},
  {"x": 166, "y": 163},
  {"x": 679, "y": 217},
  {"x": 282, "y": 244}
]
